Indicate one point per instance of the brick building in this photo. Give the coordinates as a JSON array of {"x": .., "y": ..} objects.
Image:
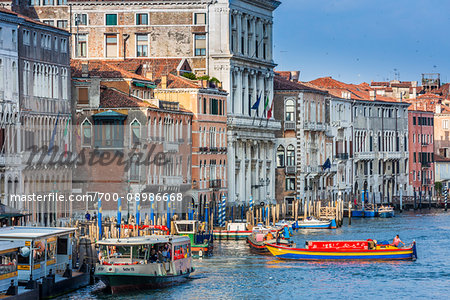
[
  {"x": 421, "y": 152},
  {"x": 209, "y": 135}
]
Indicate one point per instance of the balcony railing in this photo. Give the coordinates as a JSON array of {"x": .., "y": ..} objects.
[
  {"x": 342, "y": 156},
  {"x": 215, "y": 184},
  {"x": 290, "y": 169},
  {"x": 426, "y": 165},
  {"x": 289, "y": 125}
]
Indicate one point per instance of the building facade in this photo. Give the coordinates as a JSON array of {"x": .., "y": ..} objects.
[
  {"x": 153, "y": 137},
  {"x": 421, "y": 152},
  {"x": 209, "y": 135},
  {"x": 10, "y": 130}
]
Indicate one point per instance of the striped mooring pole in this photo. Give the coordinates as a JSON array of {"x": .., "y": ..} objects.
[
  {"x": 222, "y": 211},
  {"x": 251, "y": 203}
]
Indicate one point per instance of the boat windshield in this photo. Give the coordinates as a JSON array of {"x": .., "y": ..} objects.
[
  {"x": 185, "y": 228},
  {"x": 145, "y": 253}
]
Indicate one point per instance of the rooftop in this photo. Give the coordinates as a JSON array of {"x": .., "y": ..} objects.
[{"x": 24, "y": 232}]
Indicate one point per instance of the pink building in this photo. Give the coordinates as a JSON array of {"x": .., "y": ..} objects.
[{"x": 421, "y": 149}]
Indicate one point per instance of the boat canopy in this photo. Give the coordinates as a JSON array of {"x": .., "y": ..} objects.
[
  {"x": 26, "y": 232},
  {"x": 145, "y": 240},
  {"x": 9, "y": 246}
]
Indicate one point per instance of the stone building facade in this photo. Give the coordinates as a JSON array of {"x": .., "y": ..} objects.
[
  {"x": 38, "y": 80},
  {"x": 10, "y": 131},
  {"x": 229, "y": 40}
]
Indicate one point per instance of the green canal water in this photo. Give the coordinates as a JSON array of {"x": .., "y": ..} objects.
[{"x": 235, "y": 273}]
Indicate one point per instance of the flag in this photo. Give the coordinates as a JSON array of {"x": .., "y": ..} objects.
[
  {"x": 256, "y": 104},
  {"x": 327, "y": 164},
  {"x": 52, "y": 140},
  {"x": 269, "y": 112},
  {"x": 266, "y": 103},
  {"x": 66, "y": 137}
]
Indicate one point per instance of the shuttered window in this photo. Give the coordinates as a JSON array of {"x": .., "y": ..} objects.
[{"x": 111, "y": 19}]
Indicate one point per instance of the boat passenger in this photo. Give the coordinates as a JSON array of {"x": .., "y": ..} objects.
[
  {"x": 87, "y": 216},
  {"x": 153, "y": 256},
  {"x": 397, "y": 241}
]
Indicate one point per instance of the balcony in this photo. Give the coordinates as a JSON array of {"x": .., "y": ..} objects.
[
  {"x": 290, "y": 169},
  {"x": 214, "y": 149},
  {"x": 426, "y": 181},
  {"x": 364, "y": 155},
  {"x": 223, "y": 149},
  {"x": 289, "y": 125},
  {"x": 425, "y": 165},
  {"x": 215, "y": 184},
  {"x": 203, "y": 149},
  {"x": 172, "y": 180},
  {"x": 7, "y": 160},
  {"x": 342, "y": 156},
  {"x": 170, "y": 147},
  {"x": 392, "y": 155}
]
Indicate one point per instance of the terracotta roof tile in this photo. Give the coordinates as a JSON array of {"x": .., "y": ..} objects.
[
  {"x": 282, "y": 84},
  {"x": 180, "y": 82},
  {"x": 112, "y": 98},
  {"x": 103, "y": 69},
  {"x": 438, "y": 158}
]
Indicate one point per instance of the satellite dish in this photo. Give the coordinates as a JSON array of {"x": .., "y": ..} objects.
[{"x": 24, "y": 251}]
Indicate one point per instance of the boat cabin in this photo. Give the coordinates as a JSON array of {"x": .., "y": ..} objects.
[
  {"x": 45, "y": 249},
  {"x": 159, "y": 254},
  {"x": 187, "y": 227},
  {"x": 237, "y": 227},
  {"x": 9, "y": 251}
]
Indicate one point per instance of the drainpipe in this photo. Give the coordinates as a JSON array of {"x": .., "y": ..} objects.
[{"x": 126, "y": 36}]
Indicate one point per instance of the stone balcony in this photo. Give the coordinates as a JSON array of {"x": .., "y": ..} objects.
[
  {"x": 170, "y": 147},
  {"x": 364, "y": 156},
  {"x": 8, "y": 160}
]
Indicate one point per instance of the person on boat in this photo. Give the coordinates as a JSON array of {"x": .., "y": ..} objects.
[
  {"x": 153, "y": 256},
  {"x": 397, "y": 241},
  {"x": 87, "y": 216},
  {"x": 269, "y": 236}
]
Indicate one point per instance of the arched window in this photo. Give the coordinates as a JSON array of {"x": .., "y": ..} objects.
[
  {"x": 290, "y": 155},
  {"x": 86, "y": 129},
  {"x": 135, "y": 132},
  {"x": 280, "y": 156},
  {"x": 204, "y": 106},
  {"x": 289, "y": 109}
]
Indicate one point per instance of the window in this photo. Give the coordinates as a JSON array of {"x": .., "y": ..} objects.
[
  {"x": 81, "y": 20},
  {"x": 135, "y": 132},
  {"x": 111, "y": 45},
  {"x": 26, "y": 37},
  {"x": 290, "y": 184},
  {"x": 200, "y": 44},
  {"x": 86, "y": 129},
  {"x": 109, "y": 134},
  {"x": 81, "y": 45},
  {"x": 61, "y": 24},
  {"x": 204, "y": 106},
  {"x": 83, "y": 95},
  {"x": 134, "y": 168},
  {"x": 141, "y": 19},
  {"x": 34, "y": 38},
  {"x": 49, "y": 22},
  {"x": 200, "y": 19},
  {"x": 111, "y": 19},
  {"x": 280, "y": 157},
  {"x": 289, "y": 110},
  {"x": 141, "y": 45},
  {"x": 213, "y": 106},
  {"x": 63, "y": 46},
  {"x": 445, "y": 124},
  {"x": 290, "y": 155}
]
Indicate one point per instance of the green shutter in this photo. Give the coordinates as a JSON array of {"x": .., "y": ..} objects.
[{"x": 111, "y": 19}]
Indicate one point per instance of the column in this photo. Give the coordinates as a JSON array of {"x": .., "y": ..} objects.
[
  {"x": 238, "y": 103},
  {"x": 231, "y": 160},
  {"x": 264, "y": 169},
  {"x": 269, "y": 41},
  {"x": 242, "y": 174},
  {"x": 255, "y": 92},
  {"x": 246, "y": 93},
  {"x": 248, "y": 171},
  {"x": 238, "y": 32},
  {"x": 245, "y": 33}
]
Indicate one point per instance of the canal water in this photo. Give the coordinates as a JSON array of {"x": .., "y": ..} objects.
[{"x": 235, "y": 273}]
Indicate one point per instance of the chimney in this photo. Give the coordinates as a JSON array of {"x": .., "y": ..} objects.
[
  {"x": 164, "y": 82},
  {"x": 373, "y": 95},
  {"x": 84, "y": 69},
  {"x": 438, "y": 108},
  {"x": 295, "y": 75},
  {"x": 146, "y": 72}
]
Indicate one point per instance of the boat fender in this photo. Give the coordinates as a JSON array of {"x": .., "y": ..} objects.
[{"x": 200, "y": 253}]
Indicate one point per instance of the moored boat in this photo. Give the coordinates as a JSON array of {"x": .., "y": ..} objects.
[
  {"x": 386, "y": 212},
  {"x": 153, "y": 261},
  {"x": 262, "y": 235},
  {"x": 233, "y": 231},
  {"x": 201, "y": 243},
  {"x": 313, "y": 223},
  {"x": 344, "y": 250}
]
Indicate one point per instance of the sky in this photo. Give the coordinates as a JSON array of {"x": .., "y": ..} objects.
[{"x": 359, "y": 40}]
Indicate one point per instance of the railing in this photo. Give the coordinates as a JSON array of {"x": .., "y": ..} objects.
[
  {"x": 290, "y": 169},
  {"x": 10, "y": 159},
  {"x": 203, "y": 149},
  {"x": 289, "y": 125},
  {"x": 342, "y": 156},
  {"x": 214, "y": 149},
  {"x": 170, "y": 147},
  {"x": 215, "y": 184},
  {"x": 364, "y": 155}
]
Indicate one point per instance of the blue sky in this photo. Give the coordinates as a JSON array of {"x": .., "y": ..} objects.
[{"x": 359, "y": 40}]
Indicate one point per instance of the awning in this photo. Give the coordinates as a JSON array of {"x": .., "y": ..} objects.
[
  {"x": 109, "y": 115},
  {"x": 149, "y": 85}
]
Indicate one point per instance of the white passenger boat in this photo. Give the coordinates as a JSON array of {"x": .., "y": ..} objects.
[{"x": 145, "y": 262}]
